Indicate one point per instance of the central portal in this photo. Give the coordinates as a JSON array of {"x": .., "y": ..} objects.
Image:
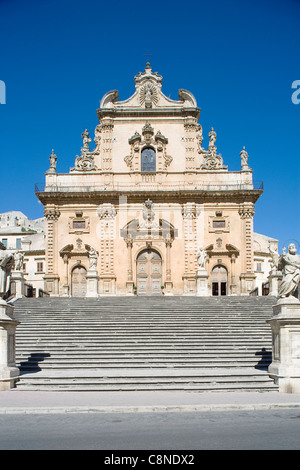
[
  {"x": 79, "y": 281},
  {"x": 148, "y": 273}
]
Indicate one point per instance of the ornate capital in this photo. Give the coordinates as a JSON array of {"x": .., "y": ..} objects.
[
  {"x": 106, "y": 211},
  {"x": 246, "y": 211},
  {"x": 52, "y": 214},
  {"x": 190, "y": 211},
  {"x": 129, "y": 241}
]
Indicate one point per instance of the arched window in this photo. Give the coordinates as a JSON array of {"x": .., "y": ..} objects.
[{"x": 148, "y": 160}]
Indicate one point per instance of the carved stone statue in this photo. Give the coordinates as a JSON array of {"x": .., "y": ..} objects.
[
  {"x": 212, "y": 137},
  {"x": 148, "y": 212},
  {"x": 93, "y": 256},
  {"x": 86, "y": 139},
  {"x": 18, "y": 259},
  {"x": 275, "y": 258},
  {"x": 53, "y": 160},
  {"x": 6, "y": 263},
  {"x": 244, "y": 159},
  {"x": 201, "y": 258},
  {"x": 289, "y": 264}
]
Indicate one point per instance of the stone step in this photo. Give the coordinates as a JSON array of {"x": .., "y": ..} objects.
[
  {"x": 201, "y": 380},
  {"x": 144, "y": 344}
]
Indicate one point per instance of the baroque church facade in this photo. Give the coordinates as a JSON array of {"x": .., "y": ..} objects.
[{"x": 135, "y": 211}]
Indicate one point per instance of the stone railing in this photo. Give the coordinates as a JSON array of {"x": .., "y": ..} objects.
[{"x": 146, "y": 186}]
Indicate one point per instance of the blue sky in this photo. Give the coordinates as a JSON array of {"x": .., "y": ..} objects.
[{"x": 239, "y": 59}]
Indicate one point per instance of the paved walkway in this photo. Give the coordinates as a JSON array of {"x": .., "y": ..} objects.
[{"x": 15, "y": 401}]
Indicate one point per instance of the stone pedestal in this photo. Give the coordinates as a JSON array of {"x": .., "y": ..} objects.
[
  {"x": 247, "y": 283},
  {"x": 17, "y": 278},
  {"x": 52, "y": 284},
  {"x": 274, "y": 279},
  {"x": 202, "y": 283},
  {"x": 9, "y": 372},
  {"x": 92, "y": 279},
  {"x": 285, "y": 324},
  {"x": 168, "y": 287},
  {"x": 107, "y": 285},
  {"x": 129, "y": 288}
]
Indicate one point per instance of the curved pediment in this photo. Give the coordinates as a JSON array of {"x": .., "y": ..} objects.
[{"x": 148, "y": 95}]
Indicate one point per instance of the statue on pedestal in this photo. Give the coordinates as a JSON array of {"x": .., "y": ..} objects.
[
  {"x": 18, "y": 261},
  {"x": 93, "y": 257},
  {"x": 212, "y": 137},
  {"x": 244, "y": 160},
  {"x": 275, "y": 258},
  {"x": 289, "y": 264},
  {"x": 6, "y": 264},
  {"x": 201, "y": 258}
]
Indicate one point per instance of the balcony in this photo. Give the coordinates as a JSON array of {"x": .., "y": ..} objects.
[{"x": 145, "y": 186}]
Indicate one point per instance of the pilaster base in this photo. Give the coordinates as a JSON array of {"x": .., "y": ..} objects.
[
  {"x": 107, "y": 284},
  {"x": 285, "y": 325},
  {"x": 168, "y": 288},
  {"x": 52, "y": 284},
  {"x": 247, "y": 283},
  {"x": 129, "y": 288},
  {"x": 189, "y": 284},
  {"x": 9, "y": 372}
]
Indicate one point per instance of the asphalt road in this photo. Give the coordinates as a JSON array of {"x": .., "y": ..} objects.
[{"x": 229, "y": 430}]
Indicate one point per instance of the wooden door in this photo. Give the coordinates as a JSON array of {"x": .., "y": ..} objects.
[
  {"x": 79, "y": 282},
  {"x": 149, "y": 273}
]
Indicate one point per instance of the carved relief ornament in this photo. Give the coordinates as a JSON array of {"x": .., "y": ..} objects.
[{"x": 85, "y": 161}]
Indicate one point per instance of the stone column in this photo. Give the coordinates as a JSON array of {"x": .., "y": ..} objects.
[
  {"x": 233, "y": 286},
  {"x": 168, "y": 282},
  {"x": 189, "y": 214},
  {"x": 285, "y": 325},
  {"x": 107, "y": 232},
  {"x": 247, "y": 277},
  {"x": 51, "y": 277},
  {"x": 66, "y": 287},
  {"x": 9, "y": 372},
  {"x": 130, "y": 282}
]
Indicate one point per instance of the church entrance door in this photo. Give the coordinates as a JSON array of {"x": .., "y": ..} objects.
[
  {"x": 219, "y": 280},
  {"x": 149, "y": 268},
  {"x": 79, "y": 281}
]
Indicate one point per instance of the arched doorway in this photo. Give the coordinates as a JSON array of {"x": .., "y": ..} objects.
[
  {"x": 219, "y": 279},
  {"x": 79, "y": 281},
  {"x": 148, "y": 273}
]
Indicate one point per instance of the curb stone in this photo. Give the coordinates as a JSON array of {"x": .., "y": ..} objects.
[{"x": 145, "y": 409}]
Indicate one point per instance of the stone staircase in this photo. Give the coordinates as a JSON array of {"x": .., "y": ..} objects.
[{"x": 149, "y": 343}]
